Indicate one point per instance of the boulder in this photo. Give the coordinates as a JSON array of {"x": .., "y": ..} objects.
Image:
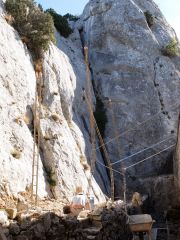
[{"x": 12, "y": 212}]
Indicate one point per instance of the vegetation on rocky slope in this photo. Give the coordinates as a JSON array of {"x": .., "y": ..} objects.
[
  {"x": 71, "y": 17},
  {"x": 34, "y": 26},
  {"x": 100, "y": 115},
  {"x": 172, "y": 49},
  {"x": 60, "y": 22},
  {"x": 149, "y": 18}
]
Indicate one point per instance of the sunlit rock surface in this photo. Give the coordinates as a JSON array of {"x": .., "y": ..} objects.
[{"x": 129, "y": 69}]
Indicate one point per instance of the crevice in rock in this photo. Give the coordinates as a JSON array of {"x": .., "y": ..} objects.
[
  {"x": 156, "y": 85},
  {"x": 82, "y": 38},
  {"x": 99, "y": 108},
  {"x": 85, "y": 124}
]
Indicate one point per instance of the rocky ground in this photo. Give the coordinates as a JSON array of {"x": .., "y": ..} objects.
[
  {"x": 22, "y": 221},
  {"x": 173, "y": 217}
]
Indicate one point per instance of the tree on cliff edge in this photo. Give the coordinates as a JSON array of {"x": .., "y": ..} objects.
[{"x": 31, "y": 22}]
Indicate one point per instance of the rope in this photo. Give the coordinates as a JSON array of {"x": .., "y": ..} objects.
[
  {"x": 138, "y": 125},
  {"x": 116, "y": 171},
  {"x": 137, "y": 162},
  {"x": 149, "y": 157},
  {"x": 131, "y": 129},
  {"x": 136, "y": 153},
  {"x": 127, "y": 156}
]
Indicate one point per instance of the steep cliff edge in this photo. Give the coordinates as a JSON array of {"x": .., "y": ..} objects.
[
  {"x": 138, "y": 86},
  {"x": 63, "y": 163}
]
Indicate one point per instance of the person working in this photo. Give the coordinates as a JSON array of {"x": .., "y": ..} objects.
[
  {"x": 136, "y": 203},
  {"x": 79, "y": 202}
]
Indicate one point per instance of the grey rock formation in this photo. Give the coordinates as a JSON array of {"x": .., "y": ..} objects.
[
  {"x": 176, "y": 166},
  {"x": 63, "y": 143},
  {"x": 73, "y": 48},
  {"x": 143, "y": 85}
]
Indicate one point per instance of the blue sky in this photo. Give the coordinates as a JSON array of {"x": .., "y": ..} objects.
[
  {"x": 64, "y": 6},
  {"x": 170, "y": 9}
]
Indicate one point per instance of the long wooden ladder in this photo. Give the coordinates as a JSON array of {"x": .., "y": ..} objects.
[
  {"x": 102, "y": 145},
  {"x": 90, "y": 100},
  {"x": 94, "y": 128},
  {"x": 36, "y": 144}
]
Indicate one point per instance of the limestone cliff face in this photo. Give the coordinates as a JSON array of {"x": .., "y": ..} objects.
[
  {"x": 17, "y": 90},
  {"x": 143, "y": 85},
  {"x": 63, "y": 147}
]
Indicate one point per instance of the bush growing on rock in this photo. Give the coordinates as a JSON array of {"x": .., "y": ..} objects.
[
  {"x": 60, "y": 23},
  {"x": 71, "y": 17},
  {"x": 149, "y": 18},
  {"x": 172, "y": 49},
  {"x": 31, "y": 22},
  {"x": 51, "y": 181},
  {"x": 100, "y": 115},
  {"x": 16, "y": 153}
]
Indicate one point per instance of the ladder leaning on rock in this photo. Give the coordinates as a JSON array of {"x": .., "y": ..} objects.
[
  {"x": 93, "y": 124},
  {"x": 37, "y": 116}
]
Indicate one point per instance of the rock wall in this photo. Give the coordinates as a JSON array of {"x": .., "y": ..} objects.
[
  {"x": 177, "y": 164},
  {"x": 73, "y": 48},
  {"x": 63, "y": 145},
  {"x": 51, "y": 226},
  {"x": 17, "y": 90},
  {"x": 63, "y": 162},
  {"x": 138, "y": 85}
]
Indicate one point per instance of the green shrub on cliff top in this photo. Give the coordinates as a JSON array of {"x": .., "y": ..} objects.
[
  {"x": 71, "y": 17},
  {"x": 31, "y": 22},
  {"x": 60, "y": 23}
]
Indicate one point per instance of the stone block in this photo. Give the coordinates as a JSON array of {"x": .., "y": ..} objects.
[{"x": 12, "y": 212}]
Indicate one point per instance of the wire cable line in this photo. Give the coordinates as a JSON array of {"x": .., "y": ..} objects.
[
  {"x": 176, "y": 105},
  {"x": 109, "y": 168},
  {"x": 143, "y": 160},
  {"x": 136, "y": 153},
  {"x": 149, "y": 157}
]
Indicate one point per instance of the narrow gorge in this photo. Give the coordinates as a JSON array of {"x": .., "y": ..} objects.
[{"x": 113, "y": 77}]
